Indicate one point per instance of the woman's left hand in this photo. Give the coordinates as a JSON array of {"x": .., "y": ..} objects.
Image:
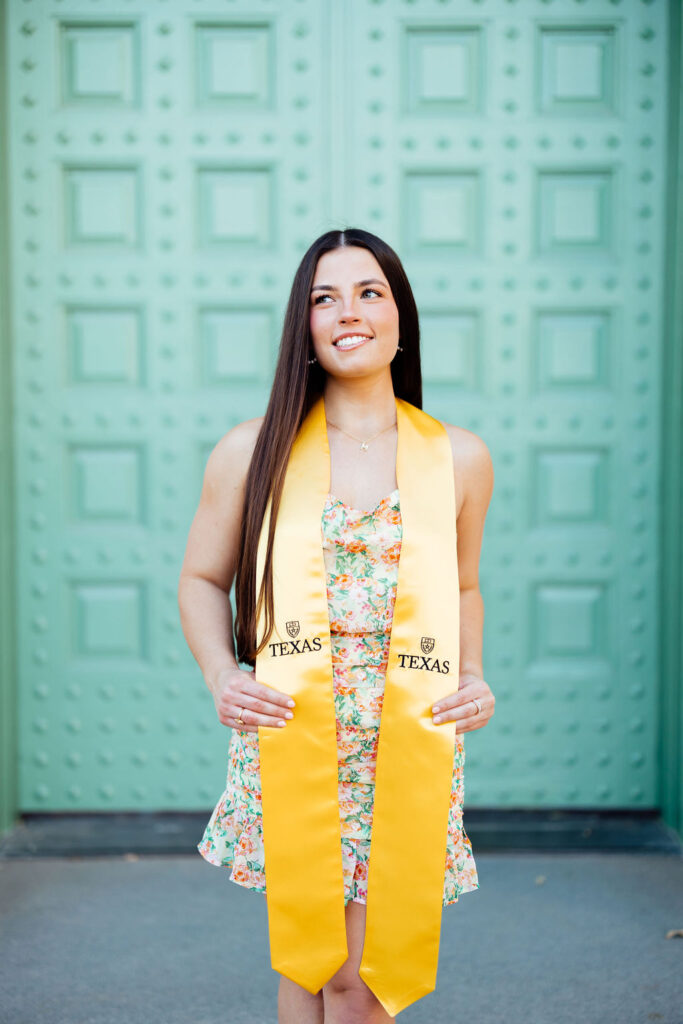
[{"x": 460, "y": 707}]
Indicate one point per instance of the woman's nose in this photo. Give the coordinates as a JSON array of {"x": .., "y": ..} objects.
[{"x": 348, "y": 311}]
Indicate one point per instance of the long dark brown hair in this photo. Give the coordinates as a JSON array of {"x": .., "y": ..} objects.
[{"x": 296, "y": 386}]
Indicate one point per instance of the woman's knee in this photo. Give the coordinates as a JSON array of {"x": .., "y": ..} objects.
[
  {"x": 347, "y": 997},
  {"x": 353, "y": 994}
]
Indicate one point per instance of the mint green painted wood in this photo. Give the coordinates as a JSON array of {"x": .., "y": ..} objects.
[
  {"x": 168, "y": 166},
  {"x": 9, "y": 797},
  {"x": 671, "y": 759}
]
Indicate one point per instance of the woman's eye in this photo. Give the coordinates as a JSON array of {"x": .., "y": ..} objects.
[{"x": 326, "y": 296}]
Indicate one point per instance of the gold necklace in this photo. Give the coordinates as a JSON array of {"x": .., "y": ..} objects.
[{"x": 363, "y": 444}]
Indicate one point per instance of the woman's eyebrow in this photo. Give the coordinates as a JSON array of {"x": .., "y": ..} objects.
[{"x": 358, "y": 284}]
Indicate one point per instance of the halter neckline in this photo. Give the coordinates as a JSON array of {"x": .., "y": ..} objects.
[{"x": 362, "y": 511}]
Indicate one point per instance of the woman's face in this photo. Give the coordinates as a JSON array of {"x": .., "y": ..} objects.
[{"x": 350, "y": 295}]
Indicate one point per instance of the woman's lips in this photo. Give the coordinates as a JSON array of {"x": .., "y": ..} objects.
[{"x": 343, "y": 347}]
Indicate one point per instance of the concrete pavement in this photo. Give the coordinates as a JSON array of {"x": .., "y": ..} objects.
[{"x": 549, "y": 938}]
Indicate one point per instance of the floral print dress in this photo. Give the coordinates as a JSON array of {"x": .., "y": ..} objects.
[{"x": 361, "y": 551}]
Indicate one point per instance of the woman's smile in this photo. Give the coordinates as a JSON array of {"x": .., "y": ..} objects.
[{"x": 353, "y": 341}]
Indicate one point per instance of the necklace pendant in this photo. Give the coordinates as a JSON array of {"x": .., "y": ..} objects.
[{"x": 363, "y": 446}]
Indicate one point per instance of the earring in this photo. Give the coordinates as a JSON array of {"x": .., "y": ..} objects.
[
  {"x": 400, "y": 347},
  {"x": 313, "y": 360}
]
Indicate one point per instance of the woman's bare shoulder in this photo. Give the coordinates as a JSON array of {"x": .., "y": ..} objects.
[
  {"x": 472, "y": 464},
  {"x": 231, "y": 456},
  {"x": 465, "y": 443},
  {"x": 239, "y": 439}
]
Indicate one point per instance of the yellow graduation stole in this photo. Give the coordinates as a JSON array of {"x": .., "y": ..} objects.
[{"x": 299, "y": 783}]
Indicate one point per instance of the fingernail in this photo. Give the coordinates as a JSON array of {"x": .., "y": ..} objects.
[
  {"x": 288, "y": 714},
  {"x": 438, "y": 718},
  {"x": 290, "y": 703},
  {"x": 436, "y": 708},
  {"x": 281, "y": 722}
]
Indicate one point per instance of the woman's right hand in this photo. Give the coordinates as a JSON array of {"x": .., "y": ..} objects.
[{"x": 236, "y": 689}]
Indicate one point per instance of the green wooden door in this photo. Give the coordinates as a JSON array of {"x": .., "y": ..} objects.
[{"x": 168, "y": 164}]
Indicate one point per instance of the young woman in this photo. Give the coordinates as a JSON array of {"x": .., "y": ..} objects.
[{"x": 347, "y": 481}]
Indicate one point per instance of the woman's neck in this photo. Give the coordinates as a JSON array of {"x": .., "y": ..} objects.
[{"x": 359, "y": 407}]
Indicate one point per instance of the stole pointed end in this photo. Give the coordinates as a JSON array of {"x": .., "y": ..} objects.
[
  {"x": 394, "y": 997},
  {"x": 308, "y": 975}
]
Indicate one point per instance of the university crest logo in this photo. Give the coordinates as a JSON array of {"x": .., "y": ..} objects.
[
  {"x": 297, "y": 644},
  {"x": 427, "y": 644}
]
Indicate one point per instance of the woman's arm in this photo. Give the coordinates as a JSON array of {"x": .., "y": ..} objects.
[
  {"x": 475, "y": 469},
  {"x": 474, "y": 478},
  {"x": 210, "y": 560},
  {"x": 205, "y": 582}
]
